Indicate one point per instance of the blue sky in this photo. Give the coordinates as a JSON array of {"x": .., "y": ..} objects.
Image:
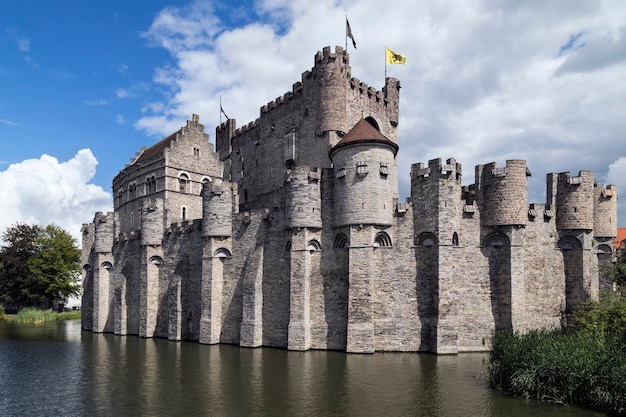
[{"x": 84, "y": 84}]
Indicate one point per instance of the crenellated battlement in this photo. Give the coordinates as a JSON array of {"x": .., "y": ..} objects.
[
  {"x": 247, "y": 128},
  {"x": 436, "y": 168},
  {"x": 326, "y": 56}
]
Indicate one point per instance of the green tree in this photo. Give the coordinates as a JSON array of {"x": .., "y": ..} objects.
[
  {"x": 37, "y": 265},
  {"x": 18, "y": 285},
  {"x": 56, "y": 263}
]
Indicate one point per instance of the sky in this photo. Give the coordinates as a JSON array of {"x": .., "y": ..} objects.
[{"x": 84, "y": 84}]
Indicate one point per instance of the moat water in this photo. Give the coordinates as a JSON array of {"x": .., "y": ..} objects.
[{"x": 55, "y": 369}]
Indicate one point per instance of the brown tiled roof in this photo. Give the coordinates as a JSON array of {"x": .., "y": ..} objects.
[
  {"x": 621, "y": 236},
  {"x": 364, "y": 132},
  {"x": 157, "y": 148}
]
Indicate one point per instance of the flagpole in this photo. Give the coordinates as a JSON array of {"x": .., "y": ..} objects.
[
  {"x": 385, "y": 63},
  {"x": 346, "y": 32},
  {"x": 220, "y": 110}
]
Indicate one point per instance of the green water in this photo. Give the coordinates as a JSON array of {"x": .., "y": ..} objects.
[{"x": 55, "y": 369}]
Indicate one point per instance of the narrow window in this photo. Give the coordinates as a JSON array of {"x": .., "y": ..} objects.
[
  {"x": 183, "y": 183},
  {"x": 183, "y": 213}
]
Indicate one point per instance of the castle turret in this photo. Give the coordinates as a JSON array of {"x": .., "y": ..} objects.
[
  {"x": 574, "y": 201},
  {"x": 217, "y": 208},
  {"x": 504, "y": 193},
  {"x": 605, "y": 212},
  {"x": 435, "y": 193},
  {"x": 302, "y": 198},
  {"x": 151, "y": 222},
  {"x": 223, "y": 135},
  {"x": 102, "y": 265},
  {"x": 103, "y": 233},
  {"x": 332, "y": 72},
  {"x": 365, "y": 177}
]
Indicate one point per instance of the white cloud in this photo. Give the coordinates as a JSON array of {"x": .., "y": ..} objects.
[
  {"x": 485, "y": 81},
  {"x": 122, "y": 93},
  {"x": 119, "y": 119},
  {"x": 45, "y": 191},
  {"x": 8, "y": 122}
]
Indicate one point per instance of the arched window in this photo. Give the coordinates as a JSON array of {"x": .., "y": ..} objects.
[
  {"x": 426, "y": 239},
  {"x": 132, "y": 191},
  {"x": 183, "y": 183},
  {"x": 568, "y": 243},
  {"x": 156, "y": 260},
  {"x": 106, "y": 265},
  {"x": 341, "y": 241},
  {"x": 150, "y": 184},
  {"x": 496, "y": 240},
  {"x": 222, "y": 253},
  {"x": 313, "y": 246},
  {"x": 455, "y": 239},
  {"x": 382, "y": 240},
  {"x": 183, "y": 213},
  {"x": 604, "y": 248},
  {"x": 373, "y": 122}
]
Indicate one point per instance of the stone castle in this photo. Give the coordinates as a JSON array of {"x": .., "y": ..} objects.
[{"x": 290, "y": 233}]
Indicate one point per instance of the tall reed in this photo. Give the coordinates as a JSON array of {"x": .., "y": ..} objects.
[
  {"x": 562, "y": 366},
  {"x": 33, "y": 315}
]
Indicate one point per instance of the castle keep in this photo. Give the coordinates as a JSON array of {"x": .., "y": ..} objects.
[{"x": 290, "y": 233}]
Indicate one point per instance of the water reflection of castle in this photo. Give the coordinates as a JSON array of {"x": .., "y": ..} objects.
[{"x": 290, "y": 233}]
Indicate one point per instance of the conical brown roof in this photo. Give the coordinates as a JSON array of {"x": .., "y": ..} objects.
[{"x": 364, "y": 132}]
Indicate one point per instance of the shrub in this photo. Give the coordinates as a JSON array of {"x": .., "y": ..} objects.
[{"x": 602, "y": 318}]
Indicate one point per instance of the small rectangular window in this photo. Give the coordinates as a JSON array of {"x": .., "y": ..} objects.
[
  {"x": 361, "y": 168},
  {"x": 384, "y": 169},
  {"x": 341, "y": 172}
]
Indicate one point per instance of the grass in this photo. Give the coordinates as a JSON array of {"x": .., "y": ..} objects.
[
  {"x": 35, "y": 316},
  {"x": 583, "y": 365}
]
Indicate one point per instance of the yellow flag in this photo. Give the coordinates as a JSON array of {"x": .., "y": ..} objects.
[{"x": 395, "y": 58}]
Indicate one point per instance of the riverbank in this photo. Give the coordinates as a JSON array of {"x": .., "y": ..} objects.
[
  {"x": 31, "y": 315},
  {"x": 583, "y": 365}
]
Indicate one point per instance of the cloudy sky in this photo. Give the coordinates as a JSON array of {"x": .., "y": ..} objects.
[{"x": 85, "y": 84}]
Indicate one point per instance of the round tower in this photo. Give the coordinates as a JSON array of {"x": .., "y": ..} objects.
[
  {"x": 436, "y": 198},
  {"x": 303, "y": 200},
  {"x": 332, "y": 72},
  {"x": 103, "y": 233},
  {"x": 217, "y": 208},
  {"x": 574, "y": 201},
  {"x": 504, "y": 193},
  {"x": 366, "y": 177},
  {"x": 605, "y": 217},
  {"x": 151, "y": 222}
]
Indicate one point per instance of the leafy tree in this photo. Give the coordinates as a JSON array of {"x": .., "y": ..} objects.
[
  {"x": 56, "y": 262},
  {"x": 37, "y": 265},
  {"x": 18, "y": 285}
]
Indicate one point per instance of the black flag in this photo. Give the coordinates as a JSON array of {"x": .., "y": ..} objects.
[{"x": 349, "y": 33}]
